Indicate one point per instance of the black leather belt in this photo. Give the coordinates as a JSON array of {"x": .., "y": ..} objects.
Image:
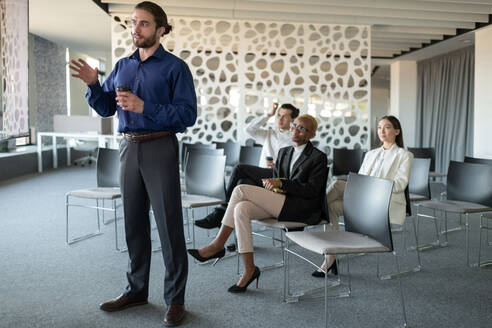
[{"x": 141, "y": 137}]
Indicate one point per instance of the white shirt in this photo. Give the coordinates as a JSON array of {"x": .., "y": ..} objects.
[
  {"x": 295, "y": 156},
  {"x": 376, "y": 170},
  {"x": 270, "y": 137}
]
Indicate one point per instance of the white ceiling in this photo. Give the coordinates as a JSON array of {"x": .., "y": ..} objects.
[
  {"x": 397, "y": 25},
  {"x": 77, "y": 24}
]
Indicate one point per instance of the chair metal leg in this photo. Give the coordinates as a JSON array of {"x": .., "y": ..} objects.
[
  {"x": 437, "y": 243},
  {"x": 416, "y": 268},
  {"x": 306, "y": 294},
  {"x": 188, "y": 224},
  {"x": 467, "y": 239},
  {"x": 80, "y": 238},
  {"x": 482, "y": 228},
  {"x": 401, "y": 292}
]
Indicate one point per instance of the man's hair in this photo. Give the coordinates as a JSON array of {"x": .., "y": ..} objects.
[
  {"x": 312, "y": 121},
  {"x": 160, "y": 16},
  {"x": 294, "y": 111}
]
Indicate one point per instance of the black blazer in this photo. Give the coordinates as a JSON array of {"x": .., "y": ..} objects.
[{"x": 305, "y": 186}]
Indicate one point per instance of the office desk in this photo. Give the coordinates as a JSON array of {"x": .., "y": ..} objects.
[{"x": 104, "y": 140}]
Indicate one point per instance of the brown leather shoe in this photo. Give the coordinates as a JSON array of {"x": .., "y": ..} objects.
[
  {"x": 174, "y": 315},
  {"x": 120, "y": 303}
]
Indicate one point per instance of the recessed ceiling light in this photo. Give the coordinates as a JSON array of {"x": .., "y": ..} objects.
[{"x": 467, "y": 41}]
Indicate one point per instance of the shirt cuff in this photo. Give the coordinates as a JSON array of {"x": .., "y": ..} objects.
[{"x": 93, "y": 92}]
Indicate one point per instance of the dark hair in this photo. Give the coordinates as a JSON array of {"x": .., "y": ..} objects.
[
  {"x": 160, "y": 16},
  {"x": 294, "y": 111},
  {"x": 397, "y": 126}
]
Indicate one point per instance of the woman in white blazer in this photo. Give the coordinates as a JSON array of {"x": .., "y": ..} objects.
[{"x": 390, "y": 161}]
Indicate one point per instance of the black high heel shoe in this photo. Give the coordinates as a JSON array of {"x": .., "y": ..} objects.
[
  {"x": 333, "y": 268},
  {"x": 236, "y": 289},
  {"x": 220, "y": 254}
]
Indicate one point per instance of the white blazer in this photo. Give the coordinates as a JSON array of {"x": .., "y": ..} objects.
[{"x": 396, "y": 166}]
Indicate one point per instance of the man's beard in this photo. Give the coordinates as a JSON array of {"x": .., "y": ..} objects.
[{"x": 145, "y": 42}]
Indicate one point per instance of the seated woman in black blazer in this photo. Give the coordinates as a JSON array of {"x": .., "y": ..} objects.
[{"x": 299, "y": 183}]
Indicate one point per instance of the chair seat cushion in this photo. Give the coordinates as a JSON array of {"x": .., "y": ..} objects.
[
  {"x": 336, "y": 242},
  {"x": 96, "y": 193},
  {"x": 274, "y": 223},
  {"x": 417, "y": 197},
  {"x": 193, "y": 201},
  {"x": 455, "y": 206}
]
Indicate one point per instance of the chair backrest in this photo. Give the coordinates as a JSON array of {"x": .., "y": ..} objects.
[
  {"x": 419, "y": 177},
  {"x": 205, "y": 175},
  {"x": 346, "y": 160},
  {"x": 108, "y": 167},
  {"x": 231, "y": 151},
  {"x": 366, "y": 202},
  {"x": 470, "y": 182},
  {"x": 250, "y": 155},
  {"x": 185, "y": 146},
  {"x": 477, "y": 160},
  {"x": 205, "y": 151},
  {"x": 425, "y": 153}
]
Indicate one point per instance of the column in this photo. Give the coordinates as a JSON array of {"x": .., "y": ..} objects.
[
  {"x": 482, "y": 120},
  {"x": 403, "y": 98}
]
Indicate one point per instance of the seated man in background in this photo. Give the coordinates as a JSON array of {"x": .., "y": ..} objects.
[{"x": 272, "y": 138}]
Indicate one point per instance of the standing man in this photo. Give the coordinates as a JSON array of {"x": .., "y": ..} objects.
[
  {"x": 272, "y": 138},
  {"x": 153, "y": 93}
]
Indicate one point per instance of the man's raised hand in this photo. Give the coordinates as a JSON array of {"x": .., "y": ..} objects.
[{"x": 83, "y": 71}]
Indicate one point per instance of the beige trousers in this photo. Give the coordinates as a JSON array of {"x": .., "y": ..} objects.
[
  {"x": 250, "y": 203},
  {"x": 334, "y": 198}
]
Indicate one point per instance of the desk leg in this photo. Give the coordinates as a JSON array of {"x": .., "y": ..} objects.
[
  {"x": 55, "y": 152},
  {"x": 40, "y": 153},
  {"x": 69, "y": 159}
]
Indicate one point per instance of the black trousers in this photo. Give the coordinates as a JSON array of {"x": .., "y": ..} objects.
[
  {"x": 247, "y": 174},
  {"x": 150, "y": 175}
]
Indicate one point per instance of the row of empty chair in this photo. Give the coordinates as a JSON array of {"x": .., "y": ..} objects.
[{"x": 468, "y": 182}]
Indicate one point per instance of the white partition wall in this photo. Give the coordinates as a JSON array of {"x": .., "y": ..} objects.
[
  {"x": 14, "y": 54},
  {"x": 241, "y": 67}
]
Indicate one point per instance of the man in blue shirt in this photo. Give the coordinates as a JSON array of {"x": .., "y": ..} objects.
[{"x": 152, "y": 90}]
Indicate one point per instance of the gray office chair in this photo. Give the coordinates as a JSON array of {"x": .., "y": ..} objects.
[
  {"x": 184, "y": 150},
  {"x": 469, "y": 190},
  {"x": 486, "y": 218},
  {"x": 87, "y": 146},
  {"x": 485, "y": 226},
  {"x": 425, "y": 152},
  {"x": 231, "y": 151},
  {"x": 282, "y": 227},
  {"x": 418, "y": 190},
  {"x": 367, "y": 230},
  {"x": 477, "y": 160},
  {"x": 346, "y": 161},
  {"x": 418, "y": 184},
  {"x": 108, "y": 188},
  {"x": 250, "y": 155},
  {"x": 204, "y": 184}
]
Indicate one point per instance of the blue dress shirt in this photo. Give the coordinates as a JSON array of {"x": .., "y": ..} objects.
[{"x": 163, "y": 81}]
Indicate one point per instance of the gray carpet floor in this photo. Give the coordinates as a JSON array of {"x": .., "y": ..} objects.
[{"x": 45, "y": 283}]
